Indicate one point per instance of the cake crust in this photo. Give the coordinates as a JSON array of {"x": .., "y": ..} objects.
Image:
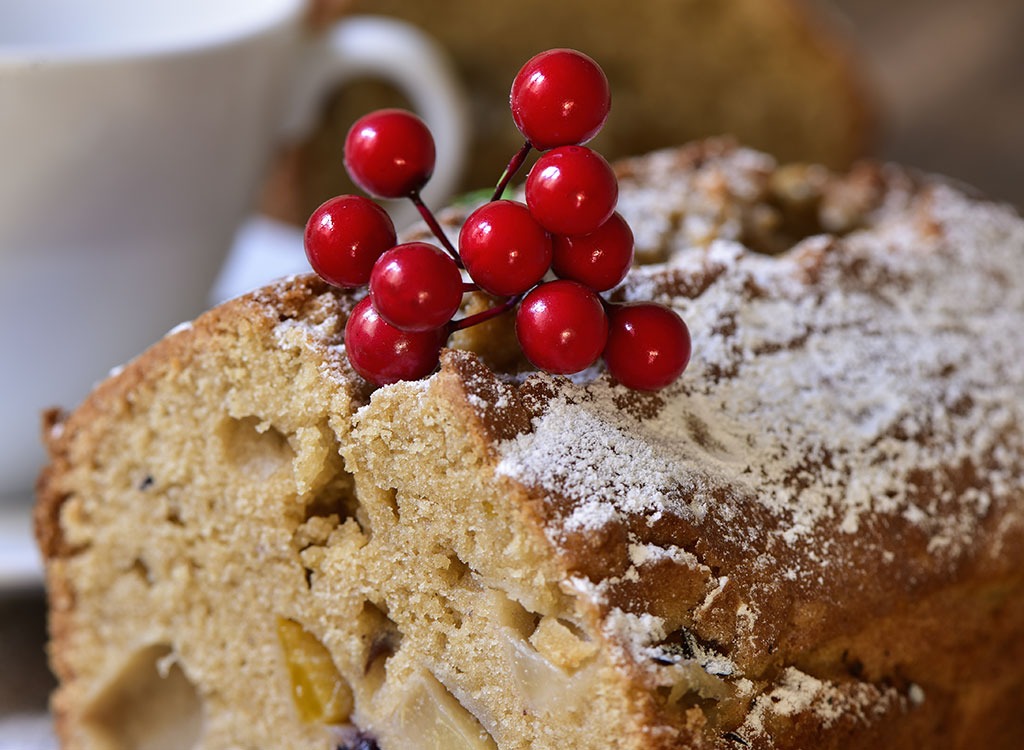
[{"x": 815, "y": 538}]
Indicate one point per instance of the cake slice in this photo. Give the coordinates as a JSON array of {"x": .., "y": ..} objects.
[{"x": 814, "y": 539}]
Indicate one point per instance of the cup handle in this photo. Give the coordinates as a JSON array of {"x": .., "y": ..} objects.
[{"x": 378, "y": 47}]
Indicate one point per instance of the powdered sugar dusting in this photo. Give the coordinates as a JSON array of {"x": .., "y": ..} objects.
[
  {"x": 824, "y": 404},
  {"x": 798, "y": 693},
  {"x": 636, "y": 474},
  {"x": 709, "y": 203}
]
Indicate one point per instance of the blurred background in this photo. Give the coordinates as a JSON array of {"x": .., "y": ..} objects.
[
  {"x": 937, "y": 84},
  {"x": 947, "y": 77}
]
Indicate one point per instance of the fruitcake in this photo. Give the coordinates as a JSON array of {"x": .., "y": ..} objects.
[{"x": 814, "y": 538}]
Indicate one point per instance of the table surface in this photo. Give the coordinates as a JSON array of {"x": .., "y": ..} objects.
[{"x": 949, "y": 77}]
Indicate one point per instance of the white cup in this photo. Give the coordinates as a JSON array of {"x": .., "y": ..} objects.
[{"x": 133, "y": 136}]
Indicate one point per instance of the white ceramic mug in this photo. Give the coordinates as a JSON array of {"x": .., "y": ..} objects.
[{"x": 133, "y": 136}]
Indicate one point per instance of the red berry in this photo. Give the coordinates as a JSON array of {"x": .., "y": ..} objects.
[
  {"x": 383, "y": 354},
  {"x": 504, "y": 249},
  {"x": 416, "y": 287},
  {"x": 345, "y": 236},
  {"x": 389, "y": 153},
  {"x": 600, "y": 259},
  {"x": 571, "y": 190},
  {"x": 559, "y": 98},
  {"x": 648, "y": 346},
  {"x": 561, "y": 327}
]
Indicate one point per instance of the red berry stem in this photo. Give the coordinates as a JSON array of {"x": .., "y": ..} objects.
[
  {"x": 469, "y": 287},
  {"x": 484, "y": 315},
  {"x": 435, "y": 227},
  {"x": 514, "y": 165}
]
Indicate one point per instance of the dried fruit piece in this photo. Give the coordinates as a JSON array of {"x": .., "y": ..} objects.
[
  {"x": 560, "y": 645},
  {"x": 319, "y": 691},
  {"x": 431, "y": 719}
]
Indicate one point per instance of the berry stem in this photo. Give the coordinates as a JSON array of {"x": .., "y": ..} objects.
[
  {"x": 435, "y": 227},
  {"x": 469, "y": 287},
  {"x": 514, "y": 164},
  {"x": 484, "y": 315}
]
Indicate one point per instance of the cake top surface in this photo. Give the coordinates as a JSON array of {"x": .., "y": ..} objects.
[{"x": 825, "y": 402}]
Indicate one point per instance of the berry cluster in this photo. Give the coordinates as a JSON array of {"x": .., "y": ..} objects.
[{"x": 567, "y": 228}]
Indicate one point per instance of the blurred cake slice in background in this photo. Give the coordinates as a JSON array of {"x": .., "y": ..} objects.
[{"x": 777, "y": 74}]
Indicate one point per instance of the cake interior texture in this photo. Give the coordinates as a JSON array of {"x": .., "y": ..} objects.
[{"x": 814, "y": 539}]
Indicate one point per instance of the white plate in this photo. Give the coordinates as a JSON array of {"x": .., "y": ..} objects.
[{"x": 20, "y": 564}]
